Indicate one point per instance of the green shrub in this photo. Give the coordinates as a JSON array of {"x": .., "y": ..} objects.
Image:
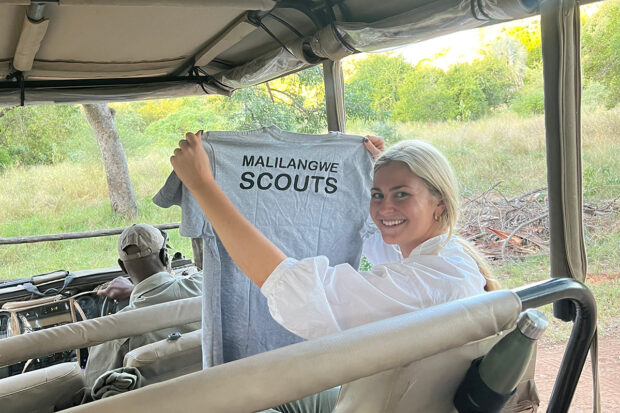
[
  {"x": 34, "y": 135},
  {"x": 528, "y": 103},
  {"x": 169, "y": 130},
  {"x": 593, "y": 96}
]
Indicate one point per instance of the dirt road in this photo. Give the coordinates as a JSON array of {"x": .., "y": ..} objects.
[{"x": 548, "y": 363}]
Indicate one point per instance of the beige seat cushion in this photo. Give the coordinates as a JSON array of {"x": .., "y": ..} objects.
[
  {"x": 427, "y": 385},
  {"x": 166, "y": 359},
  {"x": 46, "y": 390}
]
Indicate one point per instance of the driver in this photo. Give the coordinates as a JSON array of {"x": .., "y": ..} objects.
[{"x": 143, "y": 256}]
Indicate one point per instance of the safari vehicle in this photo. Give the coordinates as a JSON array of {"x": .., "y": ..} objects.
[{"x": 74, "y": 51}]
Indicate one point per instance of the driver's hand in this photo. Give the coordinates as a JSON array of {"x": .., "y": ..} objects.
[
  {"x": 118, "y": 289},
  {"x": 375, "y": 145}
]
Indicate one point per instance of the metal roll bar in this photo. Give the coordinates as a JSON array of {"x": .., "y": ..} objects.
[{"x": 584, "y": 327}]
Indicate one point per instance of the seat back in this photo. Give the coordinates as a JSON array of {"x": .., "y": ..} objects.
[
  {"x": 428, "y": 385},
  {"x": 166, "y": 359},
  {"x": 98, "y": 330},
  {"x": 46, "y": 390}
]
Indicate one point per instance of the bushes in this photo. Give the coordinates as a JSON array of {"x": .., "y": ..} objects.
[
  {"x": 40, "y": 135},
  {"x": 424, "y": 97},
  {"x": 169, "y": 130},
  {"x": 601, "y": 50}
]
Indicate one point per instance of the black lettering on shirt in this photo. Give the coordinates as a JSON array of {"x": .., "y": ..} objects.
[
  {"x": 247, "y": 177},
  {"x": 248, "y": 160},
  {"x": 330, "y": 185},
  {"x": 296, "y": 185},
  {"x": 317, "y": 179},
  {"x": 259, "y": 180},
  {"x": 278, "y": 182}
]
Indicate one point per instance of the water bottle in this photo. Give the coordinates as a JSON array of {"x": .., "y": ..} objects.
[{"x": 492, "y": 379}]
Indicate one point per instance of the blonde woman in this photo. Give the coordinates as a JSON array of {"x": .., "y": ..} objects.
[{"x": 418, "y": 261}]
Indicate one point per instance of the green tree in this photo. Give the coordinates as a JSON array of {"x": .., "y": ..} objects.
[
  {"x": 423, "y": 96},
  {"x": 295, "y": 103},
  {"x": 529, "y": 99},
  {"x": 372, "y": 92},
  {"x": 496, "y": 79},
  {"x": 33, "y": 135},
  {"x": 463, "y": 82},
  {"x": 601, "y": 50}
]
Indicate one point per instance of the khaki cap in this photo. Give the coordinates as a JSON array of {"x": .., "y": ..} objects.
[{"x": 148, "y": 239}]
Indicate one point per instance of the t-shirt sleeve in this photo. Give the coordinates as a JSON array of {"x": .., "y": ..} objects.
[{"x": 193, "y": 222}]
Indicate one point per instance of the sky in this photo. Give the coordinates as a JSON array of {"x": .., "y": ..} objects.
[{"x": 458, "y": 47}]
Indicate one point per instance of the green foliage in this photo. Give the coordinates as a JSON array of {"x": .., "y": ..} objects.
[
  {"x": 594, "y": 95},
  {"x": 601, "y": 49},
  {"x": 169, "y": 130},
  {"x": 530, "y": 100},
  {"x": 295, "y": 103},
  {"x": 496, "y": 80},
  {"x": 359, "y": 105},
  {"x": 600, "y": 179},
  {"x": 465, "y": 92},
  {"x": 464, "y": 86},
  {"x": 39, "y": 134},
  {"x": 373, "y": 91},
  {"x": 424, "y": 97}
]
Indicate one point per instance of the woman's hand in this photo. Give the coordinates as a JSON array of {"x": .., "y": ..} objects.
[
  {"x": 191, "y": 163},
  {"x": 375, "y": 145}
]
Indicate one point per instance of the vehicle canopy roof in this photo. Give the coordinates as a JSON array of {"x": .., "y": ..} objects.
[{"x": 71, "y": 51}]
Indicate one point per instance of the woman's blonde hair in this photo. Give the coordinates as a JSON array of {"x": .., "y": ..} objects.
[{"x": 425, "y": 161}]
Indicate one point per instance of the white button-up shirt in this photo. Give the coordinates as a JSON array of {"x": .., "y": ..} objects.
[{"x": 313, "y": 299}]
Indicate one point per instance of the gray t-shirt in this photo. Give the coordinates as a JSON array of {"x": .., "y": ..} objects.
[{"x": 308, "y": 194}]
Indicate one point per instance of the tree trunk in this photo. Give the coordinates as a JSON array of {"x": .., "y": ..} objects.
[{"x": 120, "y": 189}]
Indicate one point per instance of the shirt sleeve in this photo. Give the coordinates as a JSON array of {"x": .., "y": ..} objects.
[
  {"x": 193, "y": 222},
  {"x": 312, "y": 299}
]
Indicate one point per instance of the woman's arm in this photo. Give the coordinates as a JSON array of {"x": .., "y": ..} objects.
[{"x": 255, "y": 255}]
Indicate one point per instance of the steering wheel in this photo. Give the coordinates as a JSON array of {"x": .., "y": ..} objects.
[
  {"x": 105, "y": 306},
  {"x": 109, "y": 306}
]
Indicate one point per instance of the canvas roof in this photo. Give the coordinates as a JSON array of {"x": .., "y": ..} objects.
[{"x": 92, "y": 50}]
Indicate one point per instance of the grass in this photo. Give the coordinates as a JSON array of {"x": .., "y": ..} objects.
[
  {"x": 72, "y": 196},
  {"x": 509, "y": 149}
]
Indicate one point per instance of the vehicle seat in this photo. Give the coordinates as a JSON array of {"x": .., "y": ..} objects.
[
  {"x": 429, "y": 384},
  {"x": 40, "y": 391},
  {"x": 166, "y": 359},
  {"x": 423, "y": 355}
]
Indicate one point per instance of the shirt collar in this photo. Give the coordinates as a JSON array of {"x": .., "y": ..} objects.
[
  {"x": 430, "y": 247},
  {"x": 150, "y": 283}
]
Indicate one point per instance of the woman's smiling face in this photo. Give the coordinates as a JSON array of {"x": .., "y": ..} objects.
[{"x": 403, "y": 208}]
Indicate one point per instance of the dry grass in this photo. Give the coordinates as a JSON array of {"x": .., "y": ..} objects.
[{"x": 511, "y": 149}]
